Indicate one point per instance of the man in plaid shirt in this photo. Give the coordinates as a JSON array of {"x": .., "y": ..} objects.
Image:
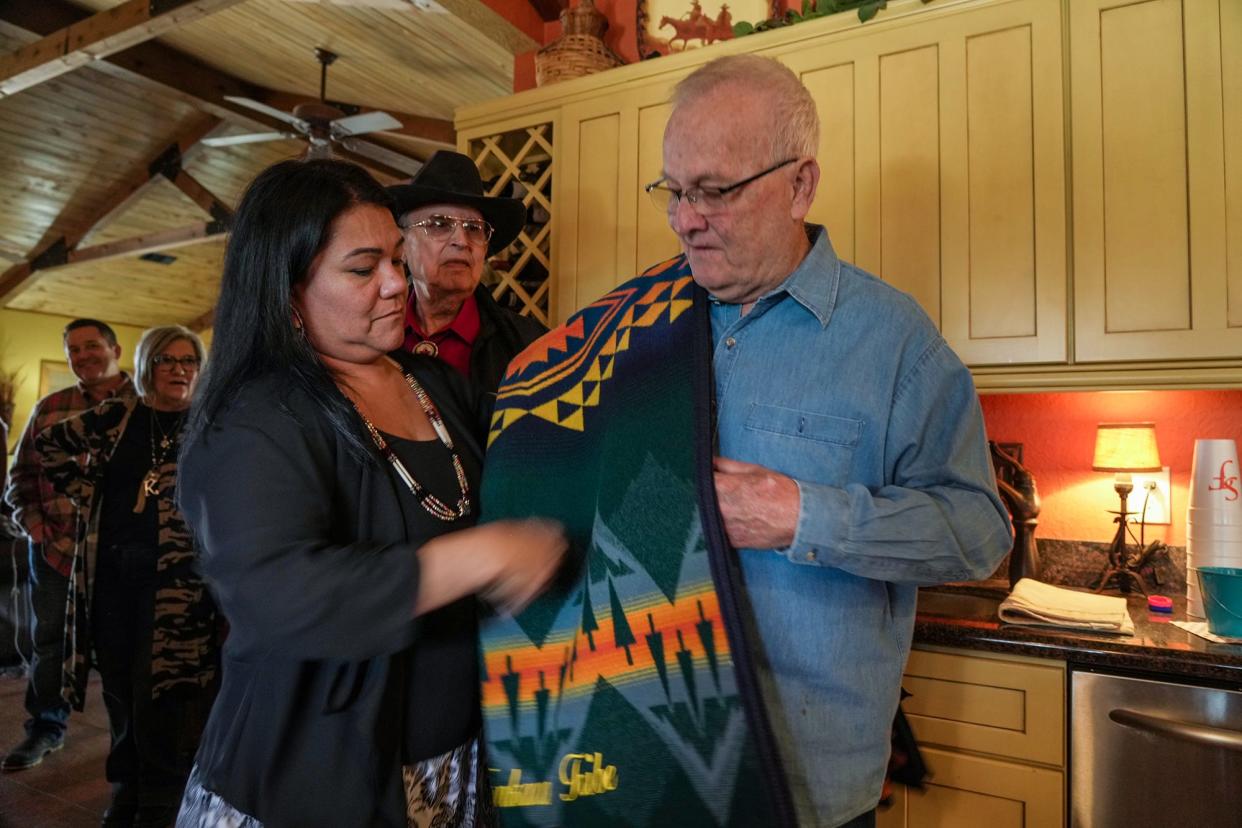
[{"x": 49, "y": 521}]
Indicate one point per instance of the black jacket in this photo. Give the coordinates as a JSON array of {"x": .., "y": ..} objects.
[
  {"x": 502, "y": 335},
  {"x": 305, "y": 549}
]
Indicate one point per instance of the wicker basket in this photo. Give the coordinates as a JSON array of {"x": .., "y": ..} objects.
[{"x": 579, "y": 51}]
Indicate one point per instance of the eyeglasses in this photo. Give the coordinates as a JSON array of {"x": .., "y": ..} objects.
[
  {"x": 704, "y": 200},
  {"x": 187, "y": 363},
  {"x": 441, "y": 228}
]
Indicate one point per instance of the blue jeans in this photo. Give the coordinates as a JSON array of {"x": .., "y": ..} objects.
[{"x": 49, "y": 590}]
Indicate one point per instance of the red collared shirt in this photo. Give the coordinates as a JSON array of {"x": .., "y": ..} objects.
[{"x": 452, "y": 343}]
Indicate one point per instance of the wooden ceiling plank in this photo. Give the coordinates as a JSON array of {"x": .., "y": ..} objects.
[
  {"x": 98, "y": 36},
  {"x": 515, "y": 26},
  {"x": 199, "y": 84},
  {"x": 69, "y": 232}
]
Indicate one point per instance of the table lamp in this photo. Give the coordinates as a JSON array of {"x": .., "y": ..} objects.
[{"x": 1123, "y": 448}]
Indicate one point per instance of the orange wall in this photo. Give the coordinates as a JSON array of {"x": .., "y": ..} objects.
[{"x": 1058, "y": 434}]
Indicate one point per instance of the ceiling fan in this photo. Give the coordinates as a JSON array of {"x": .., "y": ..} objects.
[{"x": 321, "y": 124}]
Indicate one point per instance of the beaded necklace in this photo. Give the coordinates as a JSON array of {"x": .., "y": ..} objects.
[{"x": 432, "y": 504}]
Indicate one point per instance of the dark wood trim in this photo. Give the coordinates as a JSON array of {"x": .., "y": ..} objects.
[
  {"x": 200, "y": 195},
  {"x": 197, "y": 233},
  {"x": 98, "y": 36}
]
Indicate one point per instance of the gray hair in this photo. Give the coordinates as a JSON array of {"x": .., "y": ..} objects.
[
  {"x": 795, "y": 119},
  {"x": 151, "y": 345}
]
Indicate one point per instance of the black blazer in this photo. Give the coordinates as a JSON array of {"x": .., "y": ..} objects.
[
  {"x": 503, "y": 334},
  {"x": 305, "y": 549}
]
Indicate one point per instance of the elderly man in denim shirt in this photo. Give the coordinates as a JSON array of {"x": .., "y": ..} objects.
[{"x": 853, "y": 463}]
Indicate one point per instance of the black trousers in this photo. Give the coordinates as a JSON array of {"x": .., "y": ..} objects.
[{"x": 153, "y": 740}]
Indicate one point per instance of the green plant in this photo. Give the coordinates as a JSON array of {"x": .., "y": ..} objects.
[
  {"x": 9, "y": 380},
  {"x": 812, "y": 9}
]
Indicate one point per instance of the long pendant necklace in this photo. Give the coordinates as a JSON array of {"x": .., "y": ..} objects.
[
  {"x": 149, "y": 486},
  {"x": 433, "y": 505}
]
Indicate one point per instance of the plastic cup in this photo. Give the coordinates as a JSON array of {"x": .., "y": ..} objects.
[
  {"x": 1214, "y": 532},
  {"x": 1208, "y": 556},
  {"x": 1194, "y": 602},
  {"x": 1212, "y": 516},
  {"x": 1215, "y": 476}
]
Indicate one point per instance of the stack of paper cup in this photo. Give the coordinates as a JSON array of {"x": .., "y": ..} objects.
[{"x": 1214, "y": 519}]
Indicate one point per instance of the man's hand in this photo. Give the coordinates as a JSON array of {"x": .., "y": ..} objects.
[{"x": 759, "y": 506}]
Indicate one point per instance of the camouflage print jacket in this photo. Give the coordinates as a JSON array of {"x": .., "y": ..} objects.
[{"x": 184, "y": 646}]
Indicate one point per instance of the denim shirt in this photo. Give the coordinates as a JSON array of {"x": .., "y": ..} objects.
[{"x": 842, "y": 383}]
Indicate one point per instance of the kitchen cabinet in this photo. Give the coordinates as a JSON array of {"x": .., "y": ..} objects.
[
  {"x": 992, "y": 732},
  {"x": 1156, "y": 99},
  {"x": 945, "y": 152},
  {"x": 943, "y": 157}
]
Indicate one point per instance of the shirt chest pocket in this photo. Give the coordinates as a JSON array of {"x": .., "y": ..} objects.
[{"x": 817, "y": 448}]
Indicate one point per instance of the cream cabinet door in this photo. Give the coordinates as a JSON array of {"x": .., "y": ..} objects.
[
  {"x": 1157, "y": 158},
  {"x": 608, "y": 148},
  {"x": 942, "y": 152}
]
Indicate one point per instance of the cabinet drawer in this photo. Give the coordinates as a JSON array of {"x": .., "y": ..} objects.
[
  {"x": 1005, "y": 706},
  {"x": 975, "y": 790}
]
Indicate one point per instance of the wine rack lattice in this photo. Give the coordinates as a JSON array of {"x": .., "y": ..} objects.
[{"x": 518, "y": 163}]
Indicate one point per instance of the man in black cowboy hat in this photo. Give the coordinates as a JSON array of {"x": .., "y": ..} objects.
[{"x": 450, "y": 229}]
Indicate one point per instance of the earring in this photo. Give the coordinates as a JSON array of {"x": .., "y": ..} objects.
[{"x": 298, "y": 324}]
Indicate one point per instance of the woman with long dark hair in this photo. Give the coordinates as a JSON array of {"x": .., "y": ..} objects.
[
  {"x": 137, "y": 609},
  {"x": 331, "y": 482}
]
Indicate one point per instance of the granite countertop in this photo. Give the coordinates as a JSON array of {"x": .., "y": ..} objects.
[{"x": 964, "y": 615}]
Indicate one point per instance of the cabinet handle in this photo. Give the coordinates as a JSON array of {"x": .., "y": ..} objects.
[{"x": 1187, "y": 731}]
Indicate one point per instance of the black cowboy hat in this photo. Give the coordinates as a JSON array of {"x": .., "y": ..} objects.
[{"x": 452, "y": 178}]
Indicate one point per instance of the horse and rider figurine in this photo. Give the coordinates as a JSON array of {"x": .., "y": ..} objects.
[{"x": 695, "y": 25}]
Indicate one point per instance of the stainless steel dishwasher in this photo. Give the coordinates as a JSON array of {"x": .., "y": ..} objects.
[{"x": 1146, "y": 752}]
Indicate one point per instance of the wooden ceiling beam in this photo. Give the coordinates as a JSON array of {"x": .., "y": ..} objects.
[
  {"x": 98, "y": 36},
  {"x": 133, "y": 186},
  {"x": 194, "y": 83},
  {"x": 58, "y": 244},
  {"x": 197, "y": 233},
  {"x": 200, "y": 195}
]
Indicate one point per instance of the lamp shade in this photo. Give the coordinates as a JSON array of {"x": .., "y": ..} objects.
[{"x": 1126, "y": 447}]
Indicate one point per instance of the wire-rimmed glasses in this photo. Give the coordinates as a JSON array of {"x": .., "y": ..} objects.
[
  {"x": 704, "y": 200},
  {"x": 441, "y": 228}
]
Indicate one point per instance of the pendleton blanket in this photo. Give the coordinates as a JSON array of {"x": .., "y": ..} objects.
[{"x": 623, "y": 696}]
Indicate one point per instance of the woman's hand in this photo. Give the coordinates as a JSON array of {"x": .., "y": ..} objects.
[{"x": 508, "y": 563}]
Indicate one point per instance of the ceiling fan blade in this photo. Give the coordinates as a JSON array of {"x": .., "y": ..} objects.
[
  {"x": 270, "y": 111},
  {"x": 362, "y": 124},
  {"x": 387, "y": 157},
  {"x": 250, "y": 138}
]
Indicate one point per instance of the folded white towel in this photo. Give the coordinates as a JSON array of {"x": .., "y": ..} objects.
[
  {"x": 1041, "y": 605},
  {"x": 1200, "y": 628}
]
